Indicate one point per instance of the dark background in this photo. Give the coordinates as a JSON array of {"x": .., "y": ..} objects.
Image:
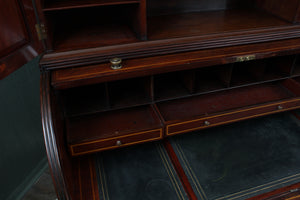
[{"x": 22, "y": 151}]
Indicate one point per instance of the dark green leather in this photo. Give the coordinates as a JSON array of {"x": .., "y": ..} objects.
[
  {"x": 242, "y": 160},
  {"x": 141, "y": 172}
]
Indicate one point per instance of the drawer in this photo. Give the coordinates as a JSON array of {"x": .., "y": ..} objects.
[
  {"x": 116, "y": 142},
  {"x": 203, "y": 111},
  {"x": 225, "y": 118},
  {"x": 113, "y": 129}
]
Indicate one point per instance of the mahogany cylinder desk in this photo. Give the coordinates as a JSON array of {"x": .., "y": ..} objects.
[{"x": 116, "y": 73}]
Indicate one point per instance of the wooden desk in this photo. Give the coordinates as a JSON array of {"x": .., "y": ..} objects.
[{"x": 185, "y": 66}]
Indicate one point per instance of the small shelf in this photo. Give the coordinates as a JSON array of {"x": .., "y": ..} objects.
[
  {"x": 130, "y": 92},
  {"x": 210, "y": 22},
  {"x": 93, "y": 36},
  {"x": 94, "y": 27},
  {"x": 278, "y": 67},
  {"x": 256, "y": 71},
  {"x": 169, "y": 86},
  {"x": 247, "y": 73},
  {"x": 71, "y": 4},
  {"x": 213, "y": 78},
  {"x": 85, "y": 100}
]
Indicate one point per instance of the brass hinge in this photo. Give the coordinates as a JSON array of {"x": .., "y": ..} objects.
[{"x": 41, "y": 31}]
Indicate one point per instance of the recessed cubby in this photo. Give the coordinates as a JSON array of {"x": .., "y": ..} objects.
[
  {"x": 170, "y": 85},
  {"x": 256, "y": 71},
  {"x": 279, "y": 67},
  {"x": 86, "y": 24},
  {"x": 96, "y": 26},
  {"x": 85, "y": 100},
  {"x": 297, "y": 79},
  {"x": 130, "y": 92},
  {"x": 203, "y": 105},
  {"x": 249, "y": 72},
  {"x": 213, "y": 78},
  {"x": 296, "y": 67},
  {"x": 158, "y": 88}
]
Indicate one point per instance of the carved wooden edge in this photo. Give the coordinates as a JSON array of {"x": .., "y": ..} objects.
[
  {"x": 72, "y": 77},
  {"x": 14, "y": 61},
  {"x": 86, "y": 182},
  {"x": 50, "y": 140},
  {"x": 58, "y": 60},
  {"x": 180, "y": 171}
]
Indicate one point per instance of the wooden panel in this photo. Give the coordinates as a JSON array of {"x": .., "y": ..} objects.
[
  {"x": 19, "y": 41},
  {"x": 288, "y": 11},
  {"x": 13, "y": 33},
  {"x": 139, "y": 20},
  {"x": 84, "y": 179}
]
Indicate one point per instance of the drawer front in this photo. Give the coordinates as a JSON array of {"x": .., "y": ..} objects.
[
  {"x": 115, "y": 142},
  {"x": 225, "y": 118}
]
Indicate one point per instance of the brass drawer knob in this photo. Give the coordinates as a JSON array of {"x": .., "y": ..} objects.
[
  {"x": 206, "y": 123},
  {"x": 119, "y": 143},
  {"x": 116, "y": 63}
]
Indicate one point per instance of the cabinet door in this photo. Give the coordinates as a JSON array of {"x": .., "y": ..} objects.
[{"x": 19, "y": 40}]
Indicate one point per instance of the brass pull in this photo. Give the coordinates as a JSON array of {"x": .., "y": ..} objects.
[
  {"x": 206, "y": 123},
  {"x": 119, "y": 143},
  {"x": 245, "y": 58},
  {"x": 116, "y": 63}
]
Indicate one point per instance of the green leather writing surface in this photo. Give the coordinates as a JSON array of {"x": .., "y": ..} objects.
[{"x": 242, "y": 160}]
